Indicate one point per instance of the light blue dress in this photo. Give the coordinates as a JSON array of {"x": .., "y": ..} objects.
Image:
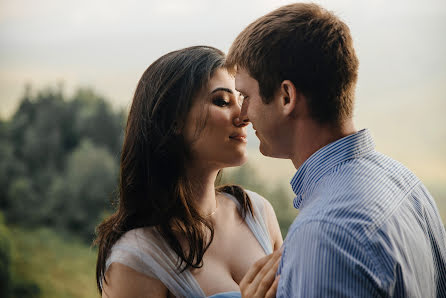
[
  {"x": 145, "y": 251},
  {"x": 227, "y": 295}
]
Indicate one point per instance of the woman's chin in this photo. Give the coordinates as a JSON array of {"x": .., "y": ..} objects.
[{"x": 241, "y": 160}]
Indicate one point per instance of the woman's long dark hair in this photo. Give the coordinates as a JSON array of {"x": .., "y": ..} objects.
[{"x": 154, "y": 190}]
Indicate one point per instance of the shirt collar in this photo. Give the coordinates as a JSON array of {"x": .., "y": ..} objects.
[{"x": 352, "y": 146}]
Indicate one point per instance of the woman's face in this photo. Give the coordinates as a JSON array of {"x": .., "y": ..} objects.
[{"x": 221, "y": 142}]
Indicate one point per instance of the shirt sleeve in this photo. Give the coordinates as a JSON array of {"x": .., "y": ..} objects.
[{"x": 323, "y": 260}]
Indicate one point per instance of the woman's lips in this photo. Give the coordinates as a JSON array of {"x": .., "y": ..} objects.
[{"x": 239, "y": 137}]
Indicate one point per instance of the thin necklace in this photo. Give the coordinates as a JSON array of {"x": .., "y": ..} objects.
[{"x": 216, "y": 206}]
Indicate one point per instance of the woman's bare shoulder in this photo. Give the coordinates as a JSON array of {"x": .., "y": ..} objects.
[{"x": 123, "y": 281}]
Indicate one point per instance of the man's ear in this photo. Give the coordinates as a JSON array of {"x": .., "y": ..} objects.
[{"x": 289, "y": 97}]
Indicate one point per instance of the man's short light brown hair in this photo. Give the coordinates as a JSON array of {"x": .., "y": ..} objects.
[{"x": 309, "y": 46}]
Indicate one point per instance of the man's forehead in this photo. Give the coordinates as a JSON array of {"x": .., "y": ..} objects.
[
  {"x": 241, "y": 72},
  {"x": 243, "y": 80}
]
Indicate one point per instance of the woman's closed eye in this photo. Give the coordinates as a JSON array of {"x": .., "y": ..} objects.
[{"x": 221, "y": 102}]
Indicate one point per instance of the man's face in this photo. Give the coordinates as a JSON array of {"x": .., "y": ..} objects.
[{"x": 262, "y": 116}]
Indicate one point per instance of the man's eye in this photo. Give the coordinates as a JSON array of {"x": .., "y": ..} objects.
[{"x": 220, "y": 102}]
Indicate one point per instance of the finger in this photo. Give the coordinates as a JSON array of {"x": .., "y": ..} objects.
[
  {"x": 268, "y": 278},
  {"x": 266, "y": 268},
  {"x": 273, "y": 290},
  {"x": 254, "y": 270},
  {"x": 255, "y": 283}
]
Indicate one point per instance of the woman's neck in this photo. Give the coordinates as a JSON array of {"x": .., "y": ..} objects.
[{"x": 203, "y": 188}]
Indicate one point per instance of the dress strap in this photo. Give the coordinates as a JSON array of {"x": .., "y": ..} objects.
[{"x": 257, "y": 223}]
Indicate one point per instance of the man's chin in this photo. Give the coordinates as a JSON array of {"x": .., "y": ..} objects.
[{"x": 266, "y": 151}]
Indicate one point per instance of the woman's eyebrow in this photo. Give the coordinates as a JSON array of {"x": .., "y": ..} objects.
[{"x": 222, "y": 89}]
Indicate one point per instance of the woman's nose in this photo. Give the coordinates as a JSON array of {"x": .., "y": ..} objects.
[{"x": 239, "y": 122}]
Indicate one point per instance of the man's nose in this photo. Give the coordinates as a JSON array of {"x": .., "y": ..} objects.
[
  {"x": 244, "y": 111},
  {"x": 242, "y": 119}
]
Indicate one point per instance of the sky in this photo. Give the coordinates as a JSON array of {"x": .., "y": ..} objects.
[{"x": 107, "y": 45}]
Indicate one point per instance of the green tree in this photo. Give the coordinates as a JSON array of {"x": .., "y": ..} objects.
[
  {"x": 10, "y": 166},
  {"x": 79, "y": 196},
  {"x": 41, "y": 131},
  {"x": 96, "y": 120},
  {"x": 57, "y": 156},
  {"x": 25, "y": 203}
]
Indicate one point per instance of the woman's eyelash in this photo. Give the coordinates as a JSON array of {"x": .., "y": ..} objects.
[{"x": 220, "y": 102}]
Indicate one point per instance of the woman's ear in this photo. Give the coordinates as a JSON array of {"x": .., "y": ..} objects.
[{"x": 289, "y": 97}]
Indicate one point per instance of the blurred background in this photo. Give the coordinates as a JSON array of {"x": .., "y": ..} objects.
[{"x": 68, "y": 70}]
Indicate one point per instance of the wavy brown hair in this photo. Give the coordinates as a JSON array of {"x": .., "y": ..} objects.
[{"x": 154, "y": 190}]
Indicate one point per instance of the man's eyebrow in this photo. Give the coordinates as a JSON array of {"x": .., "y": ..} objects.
[{"x": 222, "y": 89}]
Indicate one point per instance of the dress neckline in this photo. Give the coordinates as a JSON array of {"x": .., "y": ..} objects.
[{"x": 192, "y": 277}]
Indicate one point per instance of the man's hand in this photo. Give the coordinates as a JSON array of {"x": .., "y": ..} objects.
[{"x": 260, "y": 279}]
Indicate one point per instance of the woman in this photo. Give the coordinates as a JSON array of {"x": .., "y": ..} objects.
[{"x": 174, "y": 233}]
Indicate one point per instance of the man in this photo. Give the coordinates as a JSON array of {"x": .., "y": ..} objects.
[{"x": 367, "y": 226}]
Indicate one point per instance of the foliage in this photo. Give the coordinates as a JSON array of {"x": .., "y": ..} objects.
[
  {"x": 24, "y": 288},
  {"x": 59, "y": 160},
  {"x": 78, "y": 196}
]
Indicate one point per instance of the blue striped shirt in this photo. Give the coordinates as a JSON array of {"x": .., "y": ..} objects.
[{"x": 367, "y": 227}]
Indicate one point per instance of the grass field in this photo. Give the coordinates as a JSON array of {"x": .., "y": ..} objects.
[{"x": 61, "y": 266}]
